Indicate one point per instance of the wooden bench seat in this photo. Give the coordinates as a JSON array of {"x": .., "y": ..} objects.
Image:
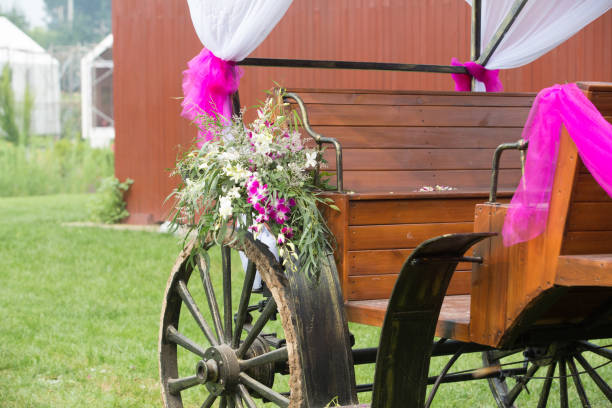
[
  {"x": 454, "y": 321},
  {"x": 395, "y": 144}
]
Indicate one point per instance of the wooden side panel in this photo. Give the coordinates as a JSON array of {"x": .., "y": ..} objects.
[
  {"x": 589, "y": 226},
  {"x": 383, "y": 233}
]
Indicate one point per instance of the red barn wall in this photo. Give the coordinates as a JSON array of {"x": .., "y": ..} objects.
[{"x": 154, "y": 39}]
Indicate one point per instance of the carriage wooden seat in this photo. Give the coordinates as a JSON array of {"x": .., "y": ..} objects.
[
  {"x": 561, "y": 281},
  {"x": 394, "y": 143}
]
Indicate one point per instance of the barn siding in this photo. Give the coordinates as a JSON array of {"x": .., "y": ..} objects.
[{"x": 154, "y": 39}]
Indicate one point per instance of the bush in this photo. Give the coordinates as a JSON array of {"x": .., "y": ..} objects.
[
  {"x": 47, "y": 167},
  {"x": 108, "y": 205}
]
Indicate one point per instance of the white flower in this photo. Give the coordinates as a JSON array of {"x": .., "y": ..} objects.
[
  {"x": 311, "y": 159},
  {"x": 225, "y": 206},
  {"x": 234, "y": 192},
  {"x": 279, "y": 167}
]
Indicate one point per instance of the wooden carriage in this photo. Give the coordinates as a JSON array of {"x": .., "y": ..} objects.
[{"x": 418, "y": 253}]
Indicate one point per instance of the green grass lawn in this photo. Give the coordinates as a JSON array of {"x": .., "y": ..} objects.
[{"x": 80, "y": 314}]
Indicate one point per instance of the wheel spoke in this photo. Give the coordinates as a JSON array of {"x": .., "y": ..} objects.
[
  {"x": 546, "y": 387},
  {"x": 177, "y": 338},
  {"x": 246, "y": 397},
  {"x": 581, "y": 392},
  {"x": 237, "y": 400},
  {"x": 226, "y": 260},
  {"x": 195, "y": 312},
  {"x": 601, "y": 383},
  {"x": 563, "y": 384},
  {"x": 447, "y": 367},
  {"x": 244, "y": 302},
  {"x": 264, "y": 391},
  {"x": 210, "y": 296},
  {"x": 176, "y": 385},
  {"x": 268, "y": 311},
  {"x": 223, "y": 403},
  {"x": 594, "y": 348},
  {"x": 521, "y": 384},
  {"x": 274, "y": 356},
  {"x": 209, "y": 401}
]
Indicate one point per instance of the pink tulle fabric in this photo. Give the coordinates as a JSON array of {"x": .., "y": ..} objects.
[
  {"x": 463, "y": 82},
  {"x": 592, "y": 134},
  {"x": 208, "y": 84}
]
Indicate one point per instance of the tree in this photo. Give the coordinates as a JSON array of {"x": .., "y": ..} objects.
[
  {"x": 17, "y": 17},
  {"x": 78, "y": 21}
]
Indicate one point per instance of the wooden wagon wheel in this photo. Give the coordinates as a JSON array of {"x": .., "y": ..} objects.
[
  {"x": 232, "y": 358},
  {"x": 560, "y": 362}
]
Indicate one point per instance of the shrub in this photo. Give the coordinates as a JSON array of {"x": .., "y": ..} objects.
[
  {"x": 108, "y": 205},
  {"x": 47, "y": 167}
]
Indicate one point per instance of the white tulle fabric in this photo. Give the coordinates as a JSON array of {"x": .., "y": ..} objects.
[
  {"x": 541, "y": 26},
  {"x": 232, "y": 29}
]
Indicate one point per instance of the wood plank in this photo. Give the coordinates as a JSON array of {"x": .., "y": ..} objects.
[
  {"x": 380, "y": 286},
  {"x": 380, "y": 115},
  {"x": 413, "y": 98},
  {"x": 588, "y": 190},
  {"x": 480, "y": 193},
  {"x": 595, "y": 216},
  {"x": 587, "y": 242},
  {"x": 400, "y": 235},
  {"x": 584, "y": 270},
  {"x": 391, "y": 137},
  {"x": 412, "y": 181},
  {"x": 420, "y": 159},
  {"x": 412, "y": 211},
  {"x": 337, "y": 221},
  {"x": 453, "y": 321},
  {"x": 385, "y": 261}
]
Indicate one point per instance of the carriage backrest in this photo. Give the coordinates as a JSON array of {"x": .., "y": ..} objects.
[{"x": 400, "y": 141}]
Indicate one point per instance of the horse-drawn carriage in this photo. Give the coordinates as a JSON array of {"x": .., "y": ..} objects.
[{"x": 419, "y": 253}]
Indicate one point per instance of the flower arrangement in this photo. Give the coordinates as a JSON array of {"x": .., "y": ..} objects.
[{"x": 245, "y": 178}]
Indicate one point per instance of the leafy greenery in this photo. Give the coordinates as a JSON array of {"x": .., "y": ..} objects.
[
  {"x": 90, "y": 23},
  {"x": 48, "y": 167},
  {"x": 12, "y": 128},
  {"x": 108, "y": 205},
  {"x": 17, "y": 17}
]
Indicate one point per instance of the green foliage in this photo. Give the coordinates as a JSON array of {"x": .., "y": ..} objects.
[
  {"x": 108, "y": 205},
  {"x": 9, "y": 115},
  {"x": 47, "y": 167},
  {"x": 91, "y": 22},
  {"x": 17, "y": 17}
]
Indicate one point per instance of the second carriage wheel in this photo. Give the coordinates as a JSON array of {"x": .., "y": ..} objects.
[
  {"x": 222, "y": 345},
  {"x": 566, "y": 370}
]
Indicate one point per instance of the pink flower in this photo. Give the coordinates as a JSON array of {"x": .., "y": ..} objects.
[
  {"x": 254, "y": 228},
  {"x": 287, "y": 231},
  {"x": 291, "y": 202},
  {"x": 281, "y": 239}
]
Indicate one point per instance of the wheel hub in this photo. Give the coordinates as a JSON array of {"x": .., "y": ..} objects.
[{"x": 219, "y": 370}]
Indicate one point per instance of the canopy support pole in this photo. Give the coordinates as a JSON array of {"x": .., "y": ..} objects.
[
  {"x": 476, "y": 31},
  {"x": 501, "y": 31}
]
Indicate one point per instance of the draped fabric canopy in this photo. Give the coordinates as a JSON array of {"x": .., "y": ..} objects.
[
  {"x": 540, "y": 26},
  {"x": 232, "y": 29}
]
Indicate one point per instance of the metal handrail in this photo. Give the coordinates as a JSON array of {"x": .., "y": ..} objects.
[
  {"x": 319, "y": 139},
  {"x": 522, "y": 146}
]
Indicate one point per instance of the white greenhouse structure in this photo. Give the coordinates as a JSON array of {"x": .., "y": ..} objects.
[
  {"x": 97, "y": 94},
  {"x": 32, "y": 67}
]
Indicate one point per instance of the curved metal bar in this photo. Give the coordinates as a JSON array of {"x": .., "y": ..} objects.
[
  {"x": 447, "y": 367},
  {"x": 319, "y": 139},
  {"x": 521, "y": 145}
]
